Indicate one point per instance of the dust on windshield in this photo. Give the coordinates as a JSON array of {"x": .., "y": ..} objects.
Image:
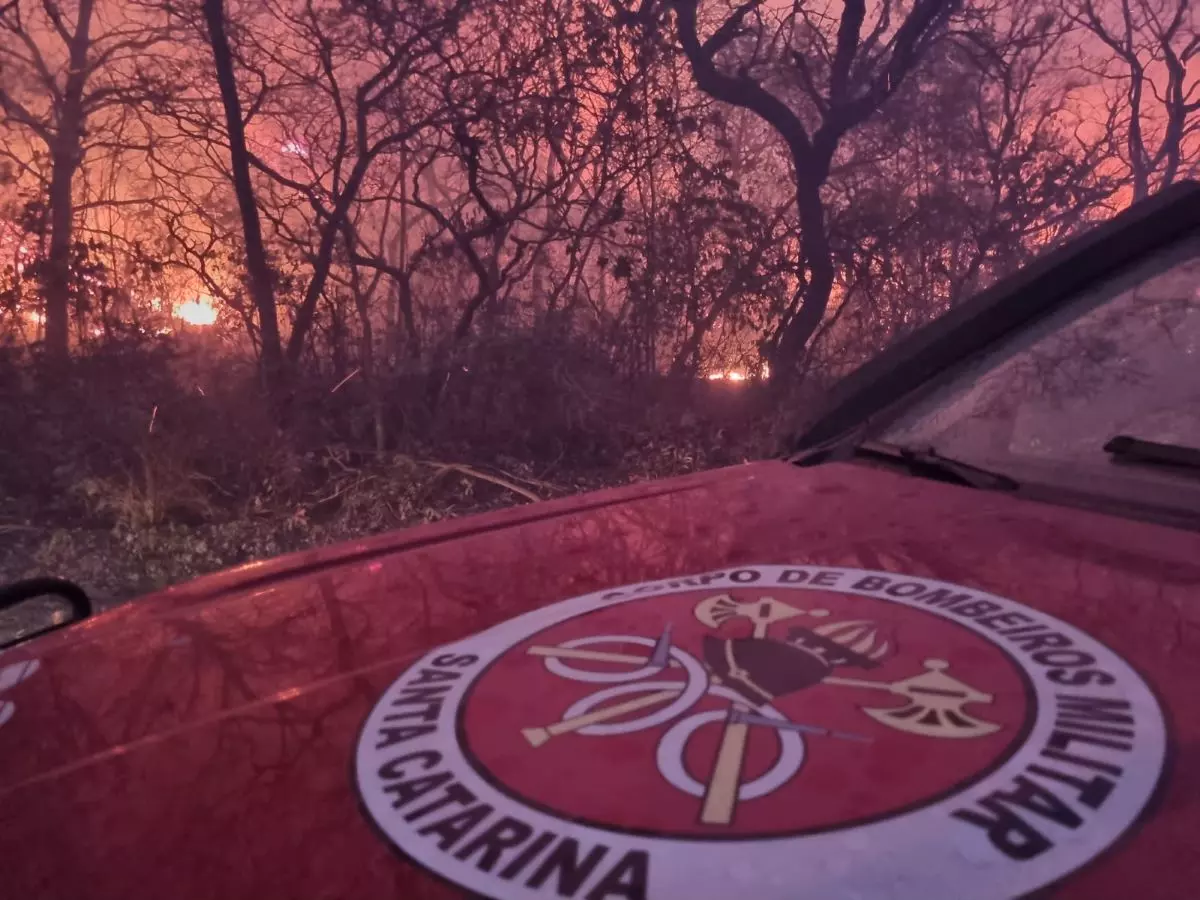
[{"x": 1122, "y": 360}]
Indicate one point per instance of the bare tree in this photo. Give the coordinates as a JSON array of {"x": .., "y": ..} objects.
[
  {"x": 366, "y": 68},
  {"x": 305, "y": 119},
  {"x": 523, "y": 170},
  {"x": 975, "y": 165},
  {"x": 784, "y": 67},
  {"x": 1153, "y": 94},
  {"x": 61, "y": 74}
]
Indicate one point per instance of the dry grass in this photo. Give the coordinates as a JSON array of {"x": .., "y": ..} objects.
[{"x": 130, "y": 477}]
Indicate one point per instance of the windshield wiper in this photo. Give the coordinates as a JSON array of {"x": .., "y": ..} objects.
[
  {"x": 926, "y": 463},
  {"x": 1127, "y": 449}
]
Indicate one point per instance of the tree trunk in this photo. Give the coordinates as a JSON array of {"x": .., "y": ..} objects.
[
  {"x": 258, "y": 269},
  {"x": 323, "y": 261},
  {"x": 66, "y": 154},
  {"x": 400, "y": 301},
  {"x": 57, "y": 278},
  {"x": 366, "y": 354},
  {"x": 404, "y": 298},
  {"x": 818, "y": 288},
  {"x": 436, "y": 379},
  {"x": 687, "y": 361}
]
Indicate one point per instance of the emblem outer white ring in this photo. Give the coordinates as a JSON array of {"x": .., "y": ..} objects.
[{"x": 924, "y": 853}]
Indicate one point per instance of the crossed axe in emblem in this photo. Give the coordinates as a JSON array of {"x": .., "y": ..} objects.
[{"x": 934, "y": 699}]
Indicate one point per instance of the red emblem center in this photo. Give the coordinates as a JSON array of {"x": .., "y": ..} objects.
[{"x": 745, "y": 713}]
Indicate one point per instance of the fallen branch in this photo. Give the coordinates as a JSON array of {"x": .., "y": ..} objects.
[
  {"x": 536, "y": 482},
  {"x": 484, "y": 476},
  {"x": 8, "y": 529},
  {"x": 337, "y": 387}
]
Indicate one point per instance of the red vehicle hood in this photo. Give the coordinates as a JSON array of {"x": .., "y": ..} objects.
[{"x": 200, "y": 742}]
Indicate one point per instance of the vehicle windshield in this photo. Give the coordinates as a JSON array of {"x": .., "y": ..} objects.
[{"x": 1122, "y": 359}]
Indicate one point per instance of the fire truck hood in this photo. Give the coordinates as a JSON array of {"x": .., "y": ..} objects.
[{"x": 223, "y": 738}]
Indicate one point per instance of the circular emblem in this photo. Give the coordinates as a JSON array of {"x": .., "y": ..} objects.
[{"x": 769, "y": 731}]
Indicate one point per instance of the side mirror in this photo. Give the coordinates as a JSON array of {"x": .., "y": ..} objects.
[{"x": 17, "y": 625}]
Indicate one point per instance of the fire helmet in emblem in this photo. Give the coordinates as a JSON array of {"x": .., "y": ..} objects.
[{"x": 767, "y": 732}]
